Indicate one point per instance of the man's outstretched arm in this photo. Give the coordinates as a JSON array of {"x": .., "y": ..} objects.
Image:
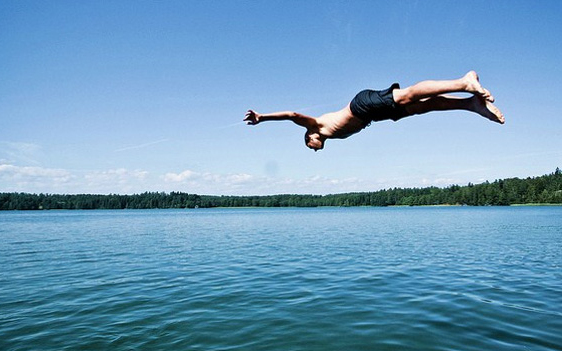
[{"x": 253, "y": 118}]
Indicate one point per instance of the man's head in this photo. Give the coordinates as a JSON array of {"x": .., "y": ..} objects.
[{"x": 314, "y": 140}]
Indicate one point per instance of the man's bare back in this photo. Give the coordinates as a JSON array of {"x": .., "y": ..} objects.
[{"x": 397, "y": 103}]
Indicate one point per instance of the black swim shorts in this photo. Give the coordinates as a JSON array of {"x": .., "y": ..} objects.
[{"x": 377, "y": 105}]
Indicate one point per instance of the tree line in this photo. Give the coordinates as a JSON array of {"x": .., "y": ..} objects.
[{"x": 543, "y": 189}]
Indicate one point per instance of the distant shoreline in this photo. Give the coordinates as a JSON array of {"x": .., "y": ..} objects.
[
  {"x": 280, "y": 207},
  {"x": 544, "y": 190},
  {"x": 285, "y": 207}
]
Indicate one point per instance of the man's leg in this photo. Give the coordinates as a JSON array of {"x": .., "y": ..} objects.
[
  {"x": 475, "y": 104},
  {"x": 429, "y": 88}
]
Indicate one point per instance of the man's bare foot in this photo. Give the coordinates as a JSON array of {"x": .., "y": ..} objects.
[
  {"x": 473, "y": 86},
  {"x": 486, "y": 109}
]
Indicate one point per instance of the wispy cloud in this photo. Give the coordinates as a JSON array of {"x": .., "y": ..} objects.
[
  {"x": 33, "y": 172},
  {"x": 232, "y": 125},
  {"x": 19, "y": 152},
  {"x": 118, "y": 180},
  {"x": 140, "y": 146},
  {"x": 33, "y": 179},
  {"x": 124, "y": 181},
  {"x": 51, "y": 180},
  {"x": 247, "y": 184}
]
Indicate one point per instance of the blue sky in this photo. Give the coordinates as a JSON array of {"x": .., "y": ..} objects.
[{"x": 133, "y": 96}]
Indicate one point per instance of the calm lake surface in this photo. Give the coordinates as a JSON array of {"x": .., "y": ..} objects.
[{"x": 282, "y": 279}]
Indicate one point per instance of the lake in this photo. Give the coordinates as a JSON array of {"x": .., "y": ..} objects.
[{"x": 427, "y": 278}]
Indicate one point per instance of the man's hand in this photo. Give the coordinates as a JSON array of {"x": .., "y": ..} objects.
[{"x": 252, "y": 117}]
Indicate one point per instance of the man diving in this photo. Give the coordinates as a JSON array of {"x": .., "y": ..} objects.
[{"x": 393, "y": 103}]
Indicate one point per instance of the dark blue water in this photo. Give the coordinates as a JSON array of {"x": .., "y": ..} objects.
[{"x": 282, "y": 279}]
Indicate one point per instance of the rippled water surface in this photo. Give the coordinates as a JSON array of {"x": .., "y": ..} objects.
[{"x": 282, "y": 279}]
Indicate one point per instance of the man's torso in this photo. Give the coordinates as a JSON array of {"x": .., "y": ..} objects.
[{"x": 340, "y": 124}]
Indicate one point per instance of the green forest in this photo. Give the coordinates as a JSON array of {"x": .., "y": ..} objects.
[{"x": 546, "y": 189}]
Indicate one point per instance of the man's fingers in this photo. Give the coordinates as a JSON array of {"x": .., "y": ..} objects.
[{"x": 250, "y": 117}]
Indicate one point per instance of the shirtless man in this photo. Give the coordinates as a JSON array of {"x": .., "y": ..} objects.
[{"x": 392, "y": 103}]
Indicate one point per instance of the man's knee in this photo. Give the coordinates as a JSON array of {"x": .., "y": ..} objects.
[{"x": 402, "y": 96}]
